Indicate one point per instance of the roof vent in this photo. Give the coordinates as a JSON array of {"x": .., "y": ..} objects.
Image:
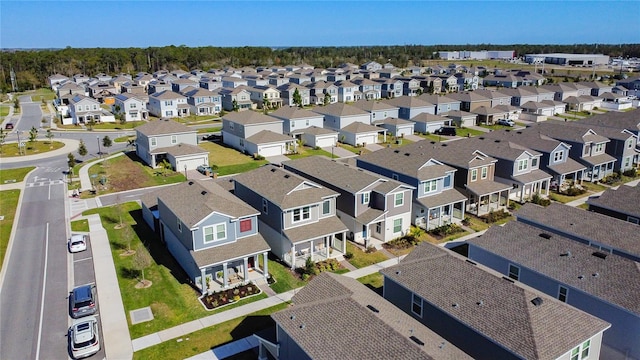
[
  {"x": 442, "y": 345},
  {"x": 471, "y": 262},
  {"x": 455, "y": 305},
  {"x": 407, "y": 154},
  {"x": 416, "y": 340},
  {"x": 286, "y": 176},
  {"x": 537, "y": 301},
  {"x": 595, "y": 274},
  {"x": 292, "y": 317},
  {"x": 518, "y": 132},
  {"x": 273, "y": 170},
  {"x": 396, "y": 151},
  {"x": 398, "y": 272},
  {"x": 600, "y": 254},
  {"x": 444, "y": 144},
  {"x": 433, "y": 142},
  {"x": 373, "y": 308},
  {"x": 496, "y": 141},
  {"x": 545, "y": 236},
  {"x": 481, "y": 138},
  {"x": 480, "y": 303},
  {"x": 508, "y": 279},
  {"x": 580, "y": 277},
  {"x": 301, "y": 326},
  {"x": 203, "y": 192},
  {"x": 567, "y": 254},
  {"x": 190, "y": 182}
]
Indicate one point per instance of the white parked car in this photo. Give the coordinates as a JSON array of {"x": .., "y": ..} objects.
[
  {"x": 84, "y": 339},
  {"x": 506, "y": 122},
  {"x": 78, "y": 242}
]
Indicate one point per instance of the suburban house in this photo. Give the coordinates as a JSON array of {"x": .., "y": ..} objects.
[
  {"x": 497, "y": 97},
  {"x": 471, "y": 100},
  {"x": 599, "y": 231},
  {"x": 397, "y": 127},
  {"x": 179, "y": 85},
  {"x": 613, "y": 101},
  {"x": 168, "y": 140},
  {"x": 265, "y": 97},
  {"x": 373, "y": 207},
  {"x": 595, "y": 282},
  {"x": 168, "y": 104},
  {"x": 597, "y": 88},
  {"x": 566, "y": 89},
  {"x": 622, "y": 203},
  {"x": 410, "y": 86},
  {"x": 461, "y": 118},
  {"x": 297, "y": 217},
  {"x": 232, "y": 82},
  {"x": 378, "y": 109},
  {"x": 428, "y": 123},
  {"x": 506, "y": 81},
  {"x": 582, "y": 103},
  {"x": 487, "y": 316},
  {"x": 289, "y": 89},
  {"x": 320, "y": 89},
  {"x": 203, "y": 102},
  {"x": 435, "y": 201},
  {"x": 555, "y": 159},
  {"x": 56, "y": 80},
  {"x": 443, "y": 103},
  {"x": 212, "y": 234},
  {"x": 489, "y": 115},
  {"x": 410, "y": 106},
  {"x": 296, "y": 120},
  {"x": 103, "y": 91},
  {"x": 360, "y": 134},
  {"x": 467, "y": 81},
  {"x": 83, "y": 110},
  {"x": 587, "y": 147},
  {"x": 255, "y": 133},
  {"x": 328, "y": 309},
  {"x": 236, "y": 99},
  {"x": 348, "y": 91},
  {"x": 517, "y": 166},
  {"x": 157, "y": 86},
  {"x": 131, "y": 107},
  {"x": 68, "y": 90},
  {"x": 520, "y": 95},
  {"x": 390, "y": 88},
  {"x": 370, "y": 89},
  {"x": 339, "y": 115}
]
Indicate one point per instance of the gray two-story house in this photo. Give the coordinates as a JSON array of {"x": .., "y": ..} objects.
[
  {"x": 374, "y": 208},
  {"x": 255, "y": 133}
]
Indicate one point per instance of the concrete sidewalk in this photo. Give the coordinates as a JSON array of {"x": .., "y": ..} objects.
[
  {"x": 339, "y": 152},
  {"x": 584, "y": 199},
  {"x": 83, "y": 173}
]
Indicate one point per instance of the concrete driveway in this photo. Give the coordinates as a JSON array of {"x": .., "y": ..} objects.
[{"x": 278, "y": 159}]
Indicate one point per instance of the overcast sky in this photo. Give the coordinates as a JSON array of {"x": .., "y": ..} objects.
[{"x": 82, "y": 24}]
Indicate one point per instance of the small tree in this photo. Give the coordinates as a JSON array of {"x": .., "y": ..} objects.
[
  {"x": 91, "y": 123},
  {"x": 235, "y": 105},
  {"x": 327, "y": 99},
  {"x": 33, "y": 134},
  {"x": 106, "y": 142},
  {"x": 49, "y": 135},
  {"x": 127, "y": 237},
  {"x": 166, "y": 167},
  {"x": 297, "y": 99},
  {"x": 71, "y": 162},
  {"x": 82, "y": 149},
  {"x": 141, "y": 261},
  {"x": 16, "y": 104}
]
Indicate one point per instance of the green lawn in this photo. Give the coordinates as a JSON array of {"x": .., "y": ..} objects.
[
  {"x": 591, "y": 188},
  {"x": 14, "y": 175},
  {"x": 171, "y": 297},
  {"x": 464, "y": 132},
  {"x": 31, "y": 148},
  {"x": 8, "y": 206},
  {"x": 38, "y": 95},
  {"x": 432, "y": 137},
  {"x": 204, "y": 340},
  {"x": 393, "y": 141},
  {"x": 361, "y": 259},
  {"x": 496, "y": 127},
  {"x": 476, "y": 224},
  {"x": 373, "y": 281},
  {"x": 229, "y": 160},
  {"x": 209, "y": 129},
  {"x": 124, "y": 139},
  {"x": 353, "y": 149},
  {"x": 306, "y": 151},
  {"x": 118, "y": 125},
  {"x": 285, "y": 279},
  {"x": 4, "y": 110},
  {"x": 81, "y": 225}
]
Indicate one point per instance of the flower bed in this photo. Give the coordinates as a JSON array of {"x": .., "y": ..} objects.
[{"x": 228, "y": 296}]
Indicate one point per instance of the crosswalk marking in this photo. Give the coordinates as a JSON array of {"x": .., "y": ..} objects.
[{"x": 45, "y": 183}]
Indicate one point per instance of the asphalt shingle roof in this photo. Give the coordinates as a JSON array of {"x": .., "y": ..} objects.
[
  {"x": 163, "y": 127},
  {"x": 624, "y": 200},
  {"x": 339, "y": 109},
  {"x": 250, "y": 118}
]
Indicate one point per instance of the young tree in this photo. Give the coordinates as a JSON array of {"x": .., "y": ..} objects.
[
  {"x": 297, "y": 99},
  {"x": 91, "y": 123},
  {"x": 3, "y": 136},
  {"x": 141, "y": 261},
  {"x": 71, "y": 162},
  {"x": 327, "y": 99},
  {"x": 49, "y": 135},
  {"x": 16, "y": 103},
  {"x": 33, "y": 134},
  {"x": 82, "y": 149},
  {"x": 106, "y": 142},
  {"x": 235, "y": 105}
]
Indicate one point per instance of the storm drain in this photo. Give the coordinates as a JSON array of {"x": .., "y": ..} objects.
[{"x": 141, "y": 315}]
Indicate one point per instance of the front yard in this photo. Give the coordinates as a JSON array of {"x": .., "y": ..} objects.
[
  {"x": 229, "y": 160},
  {"x": 306, "y": 151},
  {"x": 590, "y": 188},
  {"x": 360, "y": 258}
]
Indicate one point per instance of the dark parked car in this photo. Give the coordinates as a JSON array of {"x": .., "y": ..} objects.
[
  {"x": 446, "y": 130},
  {"x": 82, "y": 302},
  {"x": 9, "y": 126}
]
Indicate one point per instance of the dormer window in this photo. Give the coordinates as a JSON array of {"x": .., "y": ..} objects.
[
  {"x": 430, "y": 186},
  {"x": 523, "y": 164},
  {"x": 557, "y": 156},
  {"x": 484, "y": 172},
  {"x": 153, "y": 142},
  {"x": 365, "y": 197},
  {"x": 301, "y": 214}
]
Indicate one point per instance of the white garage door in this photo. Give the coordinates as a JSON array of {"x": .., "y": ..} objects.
[
  {"x": 270, "y": 150},
  {"x": 326, "y": 141},
  {"x": 369, "y": 139},
  {"x": 191, "y": 164}
]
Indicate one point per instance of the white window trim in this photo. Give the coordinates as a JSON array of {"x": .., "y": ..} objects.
[
  {"x": 394, "y": 225},
  {"x": 174, "y": 139},
  {"x": 474, "y": 174},
  {"x": 302, "y": 217},
  {"x": 484, "y": 172},
  {"x": 517, "y": 278},
  {"x": 558, "y": 156},
  {"x": 566, "y": 296},
  {"x": 214, "y": 233},
  {"x": 329, "y": 207},
  {"x": 430, "y": 186},
  {"x": 414, "y": 302},
  {"x": 153, "y": 142},
  {"x": 395, "y": 199},
  {"x": 366, "y": 198}
]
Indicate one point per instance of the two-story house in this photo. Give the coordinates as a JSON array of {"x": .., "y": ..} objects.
[
  {"x": 390, "y": 88},
  {"x": 297, "y": 120},
  {"x": 487, "y": 316},
  {"x": 164, "y": 139},
  {"x": 131, "y": 107},
  {"x": 378, "y": 110},
  {"x": 212, "y": 234},
  {"x": 83, "y": 109},
  {"x": 374, "y": 208},
  {"x": 595, "y": 282},
  {"x": 618, "y": 203},
  {"x": 288, "y": 90},
  {"x": 435, "y": 201},
  {"x": 297, "y": 216},
  {"x": 587, "y": 147},
  {"x": 370, "y": 89},
  {"x": 410, "y": 106},
  {"x": 348, "y": 91},
  {"x": 235, "y": 99},
  {"x": 442, "y": 103},
  {"x": 203, "y": 102},
  {"x": 68, "y": 90},
  {"x": 168, "y": 104},
  {"x": 322, "y": 92},
  {"x": 255, "y": 133},
  {"x": 265, "y": 97},
  {"x": 471, "y": 100}
]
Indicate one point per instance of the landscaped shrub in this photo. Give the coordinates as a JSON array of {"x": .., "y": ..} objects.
[
  {"x": 446, "y": 230},
  {"x": 611, "y": 179},
  {"x": 370, "y": 249},
  {"x": 348, "y": 255},
  {"x": 494, "y": 216},
  {"x": 574, "y": 191},
  {"x": 537, "y": 199},
  {"x": 630, "y": 173}
]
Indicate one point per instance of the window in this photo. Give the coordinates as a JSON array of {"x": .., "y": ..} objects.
[
  {"x": 581, "y": 352},
  {"x": 629, "y": 143},
  {"x": 587, "y": 148},
  {"x": 378, "y": 228},
  {"x": 599, "y": 147},
  {"x": 169, "y": 113},
  {"x": 293, "y": 124},
  {"x": 179, "y": 225},
  {"x": 416, "y": 305},
  {"x": 221, "y": 232},
  {"x": 307, "y": 122},
  {"x": 168, "y": 103},
  {"x": 430, "y": 186},
  {"x": 326, "y": 207},
  {"x": 397, "y": 225},
  {"x": 301, "y": 214},
  {"x": 174, "y": 139},
  {"x": 563, "y": 293},
  {"x": 534, "y": 162},
  {"x": 231, "y": 126},
  {"x": 557, "y": 156},
  {"x": 399, "y": 199},
  {"x": 484, "y": 171},
  {"x": 215, "y": 232},
  {"x": 245, "y": 225},
  {"x": 523, "y": 164},
  {"x": 447, "y": 181},
  {"x": 153, "y": 142},
  {"x": 627, "y": 162},
  {"x": 514, "y": 272},
  {"x": 474, "y": 174},
  {"x": 365, "y": 197},
  {"x": 264, "y": 206},
  {"x": 394, "y": 176}
]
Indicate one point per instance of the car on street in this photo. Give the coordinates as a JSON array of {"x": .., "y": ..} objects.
[
  {"x": 9, "y": 126},
  {"x": 82, "y": 302},
  {"x": 446, "y": 130},
  {"x": 77, "y": 243},
  {"x": 506, "y": 122},
  {"x": 205, "y": 169},
  {"x": 84, "y": 338}
]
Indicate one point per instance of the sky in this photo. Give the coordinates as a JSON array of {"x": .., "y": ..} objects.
[{"x": 109, "y": 24}]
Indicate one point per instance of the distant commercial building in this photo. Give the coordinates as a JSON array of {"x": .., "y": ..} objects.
[
  {"x": 476, "y": 55},
  {"x": 567, "y": 59}
]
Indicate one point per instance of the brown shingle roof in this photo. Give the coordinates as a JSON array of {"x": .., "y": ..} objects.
[
  {"x": 623, "y": 200},
  {"x": 238, "y": 249}
]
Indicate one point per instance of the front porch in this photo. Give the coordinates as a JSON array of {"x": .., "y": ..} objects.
[
  {"x": 484, "y": 204},
  {"x": 231, "y": 273},
  {"x": 320, "y": 249},
  {"x": 599, "y": 172},
  {"x": 438, "y": 216}
]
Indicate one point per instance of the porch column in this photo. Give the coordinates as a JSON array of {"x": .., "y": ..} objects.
[
  {"x": 326, "y": 246},
  {"x": 522, "y": 190},
  {"x": 203, "y": 280},
  {"x": 344, "y": 241},
  {"x": 506, "y": 199},
  {"x": 225, "y": 282},
  {"x": 311, "y": 248},
  {"x": 548, "y": 186},
  {"x": 293, "y": 256},
  {"x": 265, "y": 266},
  {"x": 440, "y": 213},
  {"x": 246, "y": 269}
]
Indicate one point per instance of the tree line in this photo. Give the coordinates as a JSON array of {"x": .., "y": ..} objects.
[{"x": 32, "y": 67}]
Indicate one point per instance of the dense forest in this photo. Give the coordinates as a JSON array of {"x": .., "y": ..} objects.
[{"x": 32, "y": 67}]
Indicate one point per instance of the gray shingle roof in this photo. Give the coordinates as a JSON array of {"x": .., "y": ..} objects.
[
  {"x": 506, "y": 314},
  {"x": 268, "y": 136},
  {"x": 320, "y": 229},
  {"x": 250, "y": 117},
  {"x": 167, "y": 95},
  {"x": 373, "y": 105},
  {"x": 358, "y": 127},
  {"x": 624, "y": 200},
  {"x": 409, "y": 160},
  {"x": 429, "y": 118},
  {"x": 449, "y": 196},
  {"x": 328, "y": 309},
  {"x": 616, "y": 279},
  {"x": 192, "y": 201},
  {"x": 339, "y": 109},
  {"x": 180, "y": 150},
  {"x": 408, "y": 102},
  {"x": 163, "y": 127},
  {"x": 576, "y": 134},
  {"x": 293, "y": 112},
  {"x": 314, "y": 130},
  {"x": 586, "y": 225},
  {"x": 283, "y": 188}
]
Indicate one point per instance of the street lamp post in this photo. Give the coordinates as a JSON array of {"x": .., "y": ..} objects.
[
  {"x": 19, "y": 143},
  {"x": 185, "y": 172},
  {"x": 99, "y": 150}
]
